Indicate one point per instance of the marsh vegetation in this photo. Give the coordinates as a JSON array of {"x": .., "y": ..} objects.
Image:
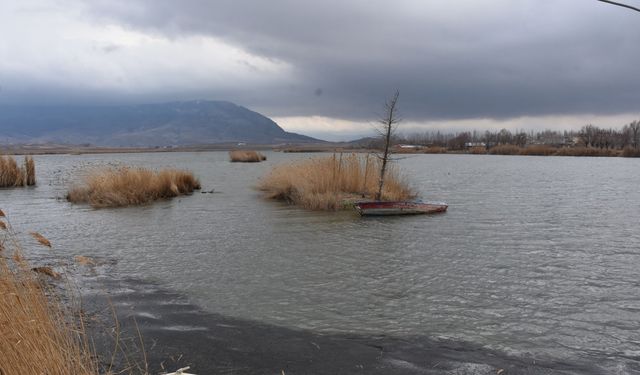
[
  {"x": 333, "y": 182},
  {"x": 118, "y": 187},
  {"x": 246, "y": 156},
  {"x": 13, "y": 175},
  {"x": 40, "y": 334}
]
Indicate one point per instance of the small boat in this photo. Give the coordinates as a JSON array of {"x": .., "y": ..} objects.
[{"x": 399, "y": 208}]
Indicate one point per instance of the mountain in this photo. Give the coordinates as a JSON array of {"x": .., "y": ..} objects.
[{"x": 166, "y": 124}]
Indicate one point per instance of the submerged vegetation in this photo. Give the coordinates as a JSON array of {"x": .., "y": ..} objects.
[
  {"x": 333, "y": 182},
  {"x": 117, "y": 187},
  {"x": 13, "y": 175},
  {"x": 40, "y": 334},
  {"x": 246, "y": 156}
]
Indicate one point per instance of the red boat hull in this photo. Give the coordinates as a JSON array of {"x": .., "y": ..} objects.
[{"x": 399, "y": 208}]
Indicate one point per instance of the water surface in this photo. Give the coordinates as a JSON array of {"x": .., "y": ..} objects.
[{"x": 537, "y": 256}]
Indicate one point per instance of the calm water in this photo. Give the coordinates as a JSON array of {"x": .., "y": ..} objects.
[{"x": 537, "y": 255}]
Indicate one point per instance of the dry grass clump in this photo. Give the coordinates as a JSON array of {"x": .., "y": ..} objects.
[
  {"x": 434, "y": 150},
  {"x": 539, "y": 150},
  {"x": 477, "y": 150},
  {"x": 118, "y": 187},
  {"x": 246, "y": 156},
  {"x": 12, "y": 175},
  {"x": 629, "y": 152},
  {"x": 330, "y": 183},
  {"x": 504, "y": 150},
  {"x": 586, "y": 151},
  {"x": 39, "y": 335}
]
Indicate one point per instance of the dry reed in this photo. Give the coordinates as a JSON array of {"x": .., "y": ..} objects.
[
  {"x": 539, "y": 150},
  {"x": 504, "y": 150},
  {"x": 131, "y": 186},
  {"x": 246, "y": 156},
  {"x": 434, "y": 150},
  {"x": 586, "y": 151},
  {"x": 12, "y": 175},
  {"x": 478, "y": 150},
  {"x": 629, "y": 152},
  {"x": 30, "y": 170},
  {"x": 331, "y": 183},
  {"x": 39, "y": 334}
]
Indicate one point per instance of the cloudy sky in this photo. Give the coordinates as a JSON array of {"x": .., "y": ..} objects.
[{"x": 325, "y": 68}]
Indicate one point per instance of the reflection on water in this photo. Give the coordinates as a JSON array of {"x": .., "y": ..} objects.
[{"x": 536, "y": 255}]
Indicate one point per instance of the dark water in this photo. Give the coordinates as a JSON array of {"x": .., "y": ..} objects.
[{"x": 537, "y": 257}]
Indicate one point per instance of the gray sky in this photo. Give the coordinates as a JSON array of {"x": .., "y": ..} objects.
[{"x": 324, "y": 68}]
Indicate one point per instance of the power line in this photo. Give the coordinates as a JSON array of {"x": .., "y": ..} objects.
[{"x": 621, "y": 5}]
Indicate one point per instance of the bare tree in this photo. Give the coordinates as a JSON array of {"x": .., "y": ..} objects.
[
  {"x": 634, "y": 127},
  {"x": 621, "y": 5},
  {"x": 387, "y": 127}
]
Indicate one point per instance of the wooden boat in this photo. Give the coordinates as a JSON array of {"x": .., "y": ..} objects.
[{"x": 399, "y": 208}]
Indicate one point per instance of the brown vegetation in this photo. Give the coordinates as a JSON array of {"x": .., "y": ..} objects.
[
  {"x": 12, "y": 175},
  {"x": 478, "y": 150},
  {"x": 631, "y": 152},
  {"x": 131, "y": 186},
  {"x": 39, "y": 334},
  {"x": 434, "y": 150},
  {"x": 504, "y": 150},
  {"x": 246, "y": 156},
  {"x": 538, "y": 150},
  {"x": 420, "y": 150},
  {"x": 586, "y": 151},
  {"x": 330, "y": 183}
]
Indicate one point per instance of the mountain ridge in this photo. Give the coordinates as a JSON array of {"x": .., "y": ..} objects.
[{"x": 178, "y": 123}]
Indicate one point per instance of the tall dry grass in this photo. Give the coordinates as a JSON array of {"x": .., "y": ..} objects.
[
  {"x": 30, "y": 170},
  {"x": 118, "y": 187},
  {"x": 478, "y": 150},
  {"x": 13, "y": 175},
  {"x": 504, "y": 150},
  {"x": 538, "y": 150},
  {"x": 630, "y": 152},
  {"x": 39, "y": 334},
  {"x": 246, "y": 156},
  {"x": 586, "y": 151},
  {"x": 330, "y": 183}
]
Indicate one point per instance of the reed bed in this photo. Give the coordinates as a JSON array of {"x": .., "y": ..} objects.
[
  {"x": 629, "y": 152},
  {"x": 118, "y": 187},
  {"x": 504, "y": 150},
  {"x": 477, "y": 150},
  {"x": 13, "y": 175},
  {"x": 539, "y": 150},
  {"x": 39, "y": 334},
  {"x": 421, "y": 150},
  {"x": 434, "y": 150},
  {"x": 246, "y": 156},
  {"x": 586, "y": 151},
  {"x": 333, "y": 182}
]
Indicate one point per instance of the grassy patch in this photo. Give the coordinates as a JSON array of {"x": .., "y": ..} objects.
[
  {"x": 131, "y": 186},
  {"x": 246, "y": 156},
  {"x": 13, "y": 175},
  {"x": 330, "y": 183}
]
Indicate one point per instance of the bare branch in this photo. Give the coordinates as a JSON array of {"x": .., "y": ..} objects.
[{"x": 621, "y": 5}]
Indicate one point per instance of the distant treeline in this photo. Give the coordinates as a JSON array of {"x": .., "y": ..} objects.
[{"x": 589, "y": 137}]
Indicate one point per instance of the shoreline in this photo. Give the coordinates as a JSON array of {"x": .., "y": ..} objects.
[
  {"x": 310, "y": 149},
  {"x": 178, "y": 333}
]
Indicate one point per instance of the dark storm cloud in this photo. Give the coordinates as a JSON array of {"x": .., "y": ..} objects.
[{"x": 450, "y": 60}]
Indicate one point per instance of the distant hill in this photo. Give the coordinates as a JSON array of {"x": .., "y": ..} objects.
[{"x": 165, "y": 124}]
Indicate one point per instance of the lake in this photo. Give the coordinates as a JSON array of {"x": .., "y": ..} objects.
[{"x": 536, "y": 256}]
